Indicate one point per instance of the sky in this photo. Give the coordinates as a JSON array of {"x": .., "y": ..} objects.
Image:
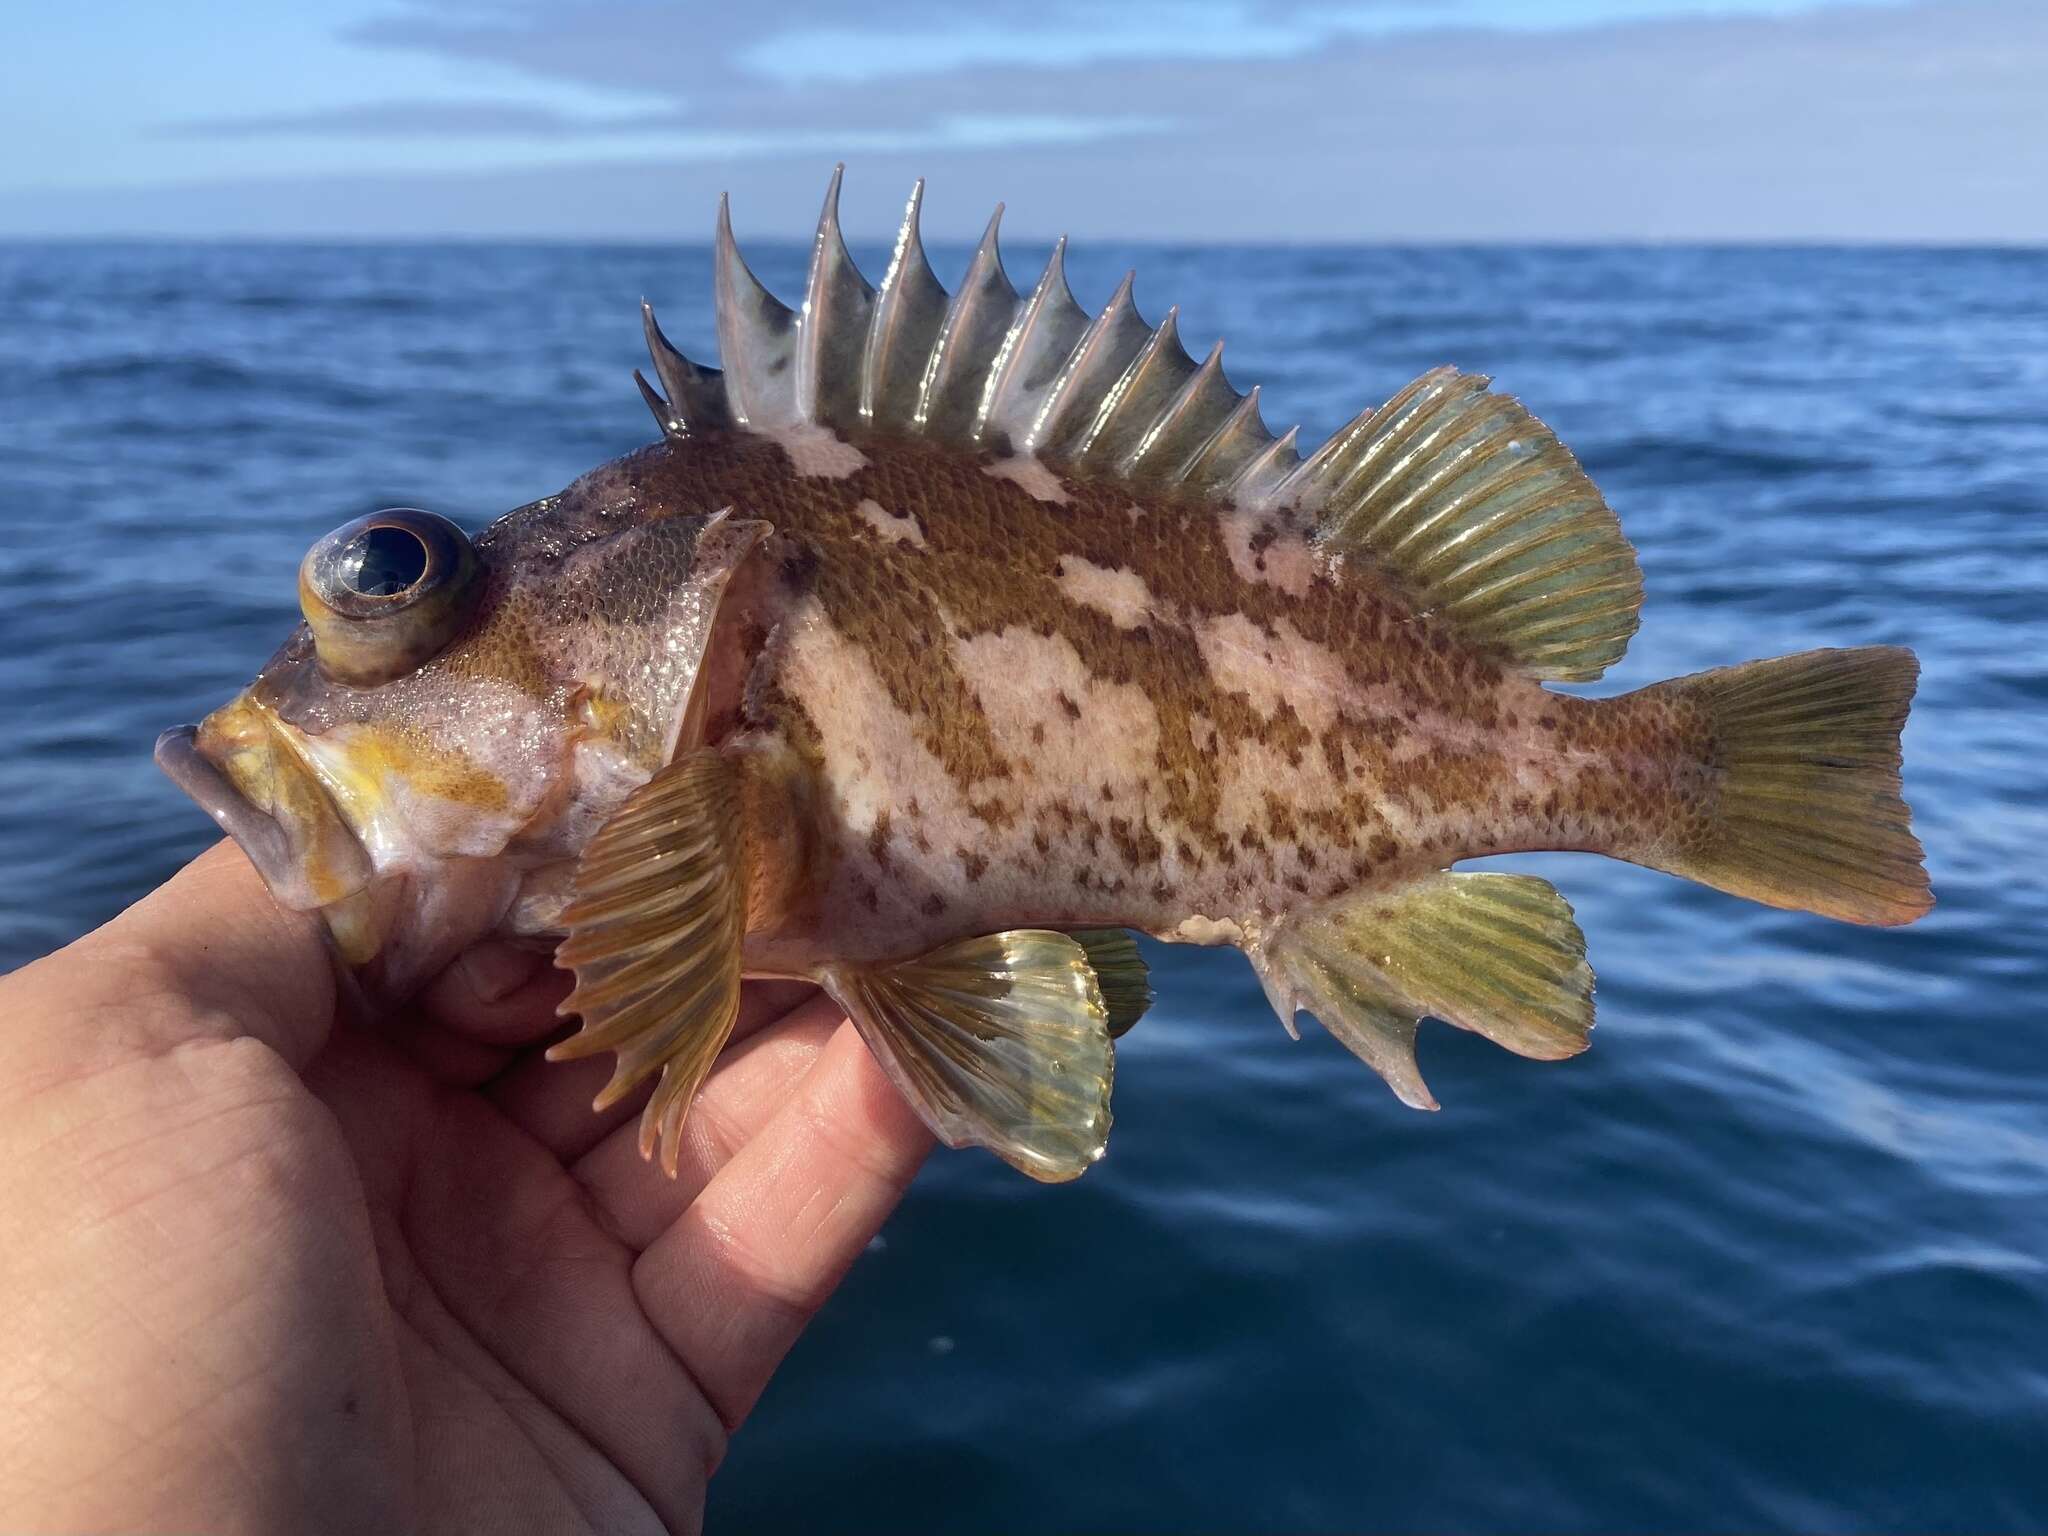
[{"x": 1283, "y": 120}]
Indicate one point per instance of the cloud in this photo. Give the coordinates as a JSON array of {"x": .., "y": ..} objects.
[
  {"x": 726, "y": 52},
  {"x": 1849, "y": 121},
  {"x": 676, "y": 132},
  {"x": 428, "y": 119}
]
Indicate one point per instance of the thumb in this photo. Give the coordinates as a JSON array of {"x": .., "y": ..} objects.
[{"x": 207, "y": 955}]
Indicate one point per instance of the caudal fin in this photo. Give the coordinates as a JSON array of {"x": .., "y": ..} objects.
[{"x": 1806, "y": 811}]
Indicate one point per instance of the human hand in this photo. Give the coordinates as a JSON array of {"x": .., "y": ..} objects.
[{"x": 265, "y": 1268}]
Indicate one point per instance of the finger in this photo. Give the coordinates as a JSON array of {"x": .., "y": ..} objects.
[
  {"x": 475, "y": 1018},
  {"x": 450, "y": 1058},
  {"x": 737, "y": 1277},
  {"x": 207, "y": 955},
  {"x": 551, "y": 1101},
  {"x": 498, "y": 993},
  {"x": 750, "y": 1083}
]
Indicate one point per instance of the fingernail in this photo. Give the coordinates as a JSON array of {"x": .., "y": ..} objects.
[{"x": 495, "y": 971}]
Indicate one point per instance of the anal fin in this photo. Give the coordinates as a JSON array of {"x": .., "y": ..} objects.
[
  {"x": 1496, "y": 954},
  {"x": 1001, "y": 1042},
  {"x": 654, "y": 925}
]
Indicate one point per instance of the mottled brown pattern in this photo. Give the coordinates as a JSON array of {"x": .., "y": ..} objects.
[{"x": 989, "y": 564}]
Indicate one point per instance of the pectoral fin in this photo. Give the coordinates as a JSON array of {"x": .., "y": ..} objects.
[
  {"x": 654, "y": 930},
  {"x": 1001, "y": 1042},
  {"x": 1496, "y": 954}
]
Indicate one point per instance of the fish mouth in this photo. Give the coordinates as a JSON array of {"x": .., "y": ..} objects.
[
  {"x": 265, "y": 798},
  {"x": 258, "y": 835},
  {"x": 389, "y": 930}
]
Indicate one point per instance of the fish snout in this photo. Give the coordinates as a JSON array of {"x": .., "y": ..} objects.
[{"x": 269, "y": 802}]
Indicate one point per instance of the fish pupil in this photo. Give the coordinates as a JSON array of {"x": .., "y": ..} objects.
[{"x": 382, "y": 562}]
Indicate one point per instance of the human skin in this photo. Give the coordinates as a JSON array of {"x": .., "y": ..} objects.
[{"x": 267, "y": 1267}]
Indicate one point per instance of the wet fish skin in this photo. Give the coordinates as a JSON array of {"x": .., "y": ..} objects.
[{"x": 1103, "y": 706}]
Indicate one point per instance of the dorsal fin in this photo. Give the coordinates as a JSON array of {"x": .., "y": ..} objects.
[
  {"x": 1099, "y": 358},
  {"x": 1485, "y": 517},
  {"x": 1134, "y": 402},
  {"x": 1032, "y": 376},
  {"x": 1467, "y": 499}
]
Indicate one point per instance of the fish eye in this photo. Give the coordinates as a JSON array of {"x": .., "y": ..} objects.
[
  {"x": 382, "y": 561},
  {"x": 386, "y": 593}
]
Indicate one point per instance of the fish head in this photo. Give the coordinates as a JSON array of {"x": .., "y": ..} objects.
[{"x": 423, "y": 758}]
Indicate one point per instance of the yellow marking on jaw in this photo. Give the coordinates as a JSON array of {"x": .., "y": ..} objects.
[
  {"x": 345, "y": 784},
  {"x": 375, "y": 754},
  {"x": 259, "y": 759},
  {"x": 352, "y": 922}
]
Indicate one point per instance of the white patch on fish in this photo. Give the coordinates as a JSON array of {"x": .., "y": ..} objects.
[
  {"x": 1207, "y": 930},
  {"x": 1275, "y": 667},
  {"x": 897, "y": 529},
  {"x": 1033, "y": 476},
  {"x": 1119, "y": 593},
  {"x": 817, "y": 452},
  {"x": 1019, "y": 676},
  {"x": 1287, "y": 562}
]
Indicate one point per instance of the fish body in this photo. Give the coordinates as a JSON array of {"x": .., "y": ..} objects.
[
  {"x": 942, "y": 639},
  {"x": 1087, "y": 705}
]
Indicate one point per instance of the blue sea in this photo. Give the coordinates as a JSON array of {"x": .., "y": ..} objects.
[{"x": 1772, "y": 1256}]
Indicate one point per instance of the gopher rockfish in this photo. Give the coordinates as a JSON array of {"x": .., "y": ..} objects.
[{"x": 942, "y": 641}]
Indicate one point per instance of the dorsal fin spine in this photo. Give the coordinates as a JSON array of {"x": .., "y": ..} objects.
[
  {"x": 975, "y": 324},
  {"x": 909, "y": 308},
  {"x": 671, "y": 426},
  {"x": 1459, "y": 493},
  {"x": 1266, "y": 474},
  {"x": 1105, "y": 435},
  {"x": 1189, "y": 420},
  {"x": 696, "y": 395},
  {"x": 1047, "y": 329},
  {"x": 833, "y": 324},
  {"x": 1183, "y": 401},
  {"x": 1217, "y": 459},
  {"x": 756, "y": 338},
  {"x": 1104, "y": 350}
]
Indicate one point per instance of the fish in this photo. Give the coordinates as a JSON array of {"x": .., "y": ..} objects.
[{"x": 941, "y": 643}]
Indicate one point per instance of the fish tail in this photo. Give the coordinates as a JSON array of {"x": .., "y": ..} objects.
[{"x": 1799, "y": 802}]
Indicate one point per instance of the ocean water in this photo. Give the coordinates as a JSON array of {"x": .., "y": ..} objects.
[{"x": 1773, "y": 1255}]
